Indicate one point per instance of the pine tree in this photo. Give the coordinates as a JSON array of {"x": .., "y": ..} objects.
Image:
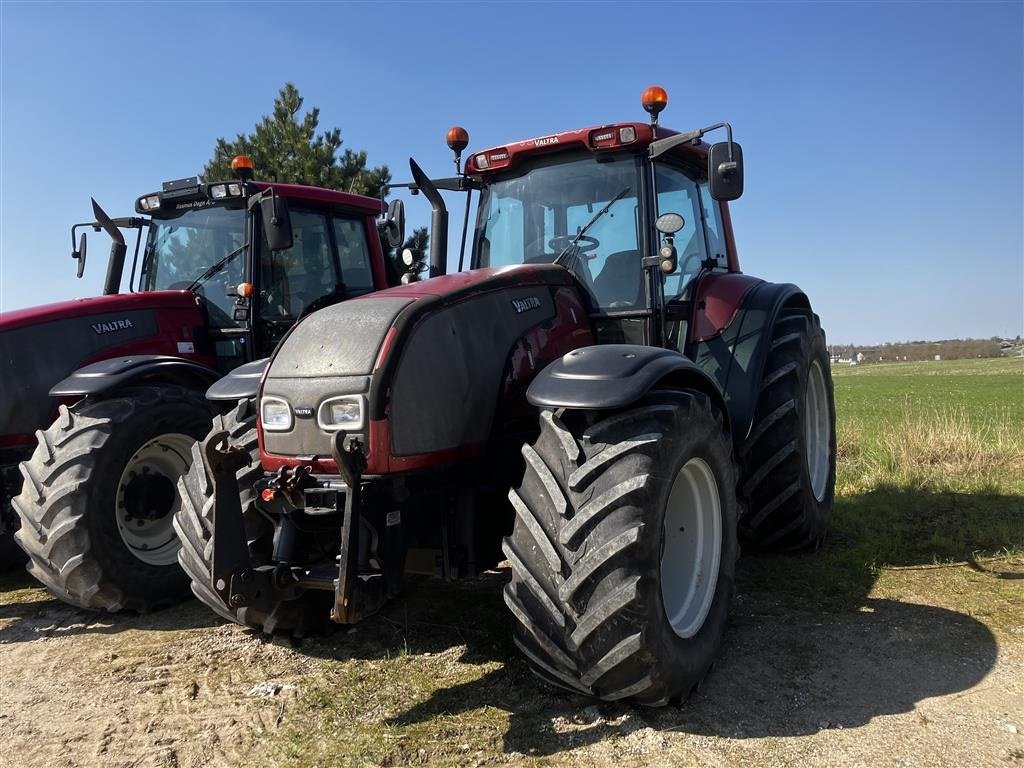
[{"x": 286, "y": 148}]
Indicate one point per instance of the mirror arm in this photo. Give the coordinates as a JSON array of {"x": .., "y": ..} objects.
[{"x": 661, "y": 146}]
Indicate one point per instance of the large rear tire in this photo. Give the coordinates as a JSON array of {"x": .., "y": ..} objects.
[
  {"x": 788, "y": 460},
  {"x": 194, "y": 524},
  {"x": 624, "y": 547},
  {"x": 99, "y": 494}
]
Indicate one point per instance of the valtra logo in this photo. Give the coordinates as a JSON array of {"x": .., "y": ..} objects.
[{"x": 113, "y": 325}]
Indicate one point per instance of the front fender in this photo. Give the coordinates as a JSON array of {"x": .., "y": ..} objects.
[
  {"x": 611, "y": 376},
  {"x": 242, "y": 383},
  {"x": 108, "y": 375}
]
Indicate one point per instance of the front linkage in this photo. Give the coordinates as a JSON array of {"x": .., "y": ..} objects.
[{"x": 360, "y": 589}]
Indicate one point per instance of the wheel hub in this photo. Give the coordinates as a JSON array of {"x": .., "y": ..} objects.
[
  {"x": 146, "y": 496},
  {"x": 149, "y": 496},
  {"x": 691, "y": 547},
  {"x": 817, "y": 445}
]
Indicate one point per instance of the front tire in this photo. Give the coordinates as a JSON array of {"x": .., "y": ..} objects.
[
  {"x": 99, "y": 494},
  {"x": 194, "y": 524},
  {"x": 789, "y": 458},
  {"x": 624, "y": 547}
]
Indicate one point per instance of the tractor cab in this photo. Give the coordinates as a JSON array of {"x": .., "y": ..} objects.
[
  {"x": 257, "y": 256},
  {"x": 597, "y": 201}
]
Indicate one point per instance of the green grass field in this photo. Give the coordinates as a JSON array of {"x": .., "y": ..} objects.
[{"x": 930, "y": 473}]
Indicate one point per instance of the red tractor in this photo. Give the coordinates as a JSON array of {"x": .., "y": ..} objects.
[
  {"x": 649, "y": 406},
  {"x": 102, "y": 398}
]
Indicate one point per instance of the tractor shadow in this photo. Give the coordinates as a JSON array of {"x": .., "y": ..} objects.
[
  {"x": 28, "y": 612},
  {"x": 807, "y": 649}
]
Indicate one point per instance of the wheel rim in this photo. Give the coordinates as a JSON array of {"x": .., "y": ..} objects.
[
  {"x": 692, "y": 547},
  {"x": 817, "y": 444},
  {"x": 146, "y": 497}
]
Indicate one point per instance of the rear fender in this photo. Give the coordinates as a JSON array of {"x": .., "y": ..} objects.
[
  {"x": 108, "y": 375},
  {"x": 611, "y": 376},
  {"x": 735, "y": 358}
]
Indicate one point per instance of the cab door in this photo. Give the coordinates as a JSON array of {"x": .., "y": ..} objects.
[{"x": 329, "y": 261}]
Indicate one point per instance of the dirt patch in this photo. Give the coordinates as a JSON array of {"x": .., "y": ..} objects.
[
  {"x": 169, "y": 689},
  {"x": 435, "y": 680}
]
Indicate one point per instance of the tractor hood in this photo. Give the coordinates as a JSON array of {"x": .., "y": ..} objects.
[
  {"x": 40, "y": 346},
  {"x": 96, "y": 305},
  {"x": 424, "y": 361}
]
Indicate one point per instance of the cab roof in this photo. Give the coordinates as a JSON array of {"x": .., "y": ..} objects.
[{"x": 602, "y": 138}]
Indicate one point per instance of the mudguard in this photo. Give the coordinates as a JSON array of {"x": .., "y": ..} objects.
[
  {"x": 614, "y": 376},
  {"x": 108, "y": 375},
  {"x": 736, "y": 357},
  {"x": 242, "y": 382}
]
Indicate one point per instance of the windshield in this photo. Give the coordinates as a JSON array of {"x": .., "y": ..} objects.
[
  {"x": 181, "y": 248},
  {"x": 535, "y": 216}
]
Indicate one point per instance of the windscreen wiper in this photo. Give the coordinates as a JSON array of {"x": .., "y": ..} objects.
[
  {"x": 589, "y": 224},
  {"x": 217, "y": 267}
]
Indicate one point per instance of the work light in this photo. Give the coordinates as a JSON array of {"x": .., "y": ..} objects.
[
  {"x": 345, "y": 412},
  {"x": 275, "y": 414}
]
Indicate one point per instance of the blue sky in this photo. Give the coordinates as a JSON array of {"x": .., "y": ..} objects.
[{"x": 883, "y": 142}]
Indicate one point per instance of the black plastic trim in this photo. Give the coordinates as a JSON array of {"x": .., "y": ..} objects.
[
  {"x": 611, "y": 376},
  {"x": 736, "y": 357},
  {"x": 107, "y": 375},
  {"x": 240, "y": 383}
]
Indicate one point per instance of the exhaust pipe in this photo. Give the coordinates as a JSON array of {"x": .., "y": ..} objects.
[
  {"x": 115, "y": 267},
  {"x": 438, "y": 221}
]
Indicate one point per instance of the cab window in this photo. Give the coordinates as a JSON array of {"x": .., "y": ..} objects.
[
  {"x": 291, "y": 280},
  {"x": 713, "y": 225},
  {"x": 354, "y": 253},
  {"x": 678, "y": 193}
]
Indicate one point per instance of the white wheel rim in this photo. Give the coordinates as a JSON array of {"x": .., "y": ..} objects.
[
  {"x": 148, "y": 532},
  {"x": 692, "y": 548},
  {"x": 817, "y": 443}
]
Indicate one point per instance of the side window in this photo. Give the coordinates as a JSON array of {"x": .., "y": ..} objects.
[
  {"x": 356, "y": 270},
  {"x": 677, "y": 193},
  {"x": 290, "y": 280},
  {"x": 504, "y": 230},
  {"x": 713, "y": 219}
]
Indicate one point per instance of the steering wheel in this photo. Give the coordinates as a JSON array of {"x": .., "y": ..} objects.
[{"x": 585, "y": 243}]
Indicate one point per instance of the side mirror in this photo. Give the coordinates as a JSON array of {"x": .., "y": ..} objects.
[
  {"x": 394, "y": 223},
  {"x": 277, "y": 222},
  {"x": 725, "y": 173},
  {"x": 80, "y": 254}
]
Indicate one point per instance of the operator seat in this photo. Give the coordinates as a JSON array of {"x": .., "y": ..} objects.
[{"x": 621, "y": 282}]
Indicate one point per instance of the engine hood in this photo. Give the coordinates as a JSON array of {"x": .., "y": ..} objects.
[
  {"x": 96, "y": 305},
  {"x": 395, "y": 349}
]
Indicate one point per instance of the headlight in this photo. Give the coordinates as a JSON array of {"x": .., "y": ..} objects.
[
  {"x": 275, "y": 414},
  {"x": 338, "y": 413},
  {"x": 219, "y": 191}
]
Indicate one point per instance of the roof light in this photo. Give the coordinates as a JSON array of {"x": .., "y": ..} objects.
[
  {"x": 149, "y": 202},
  {"x": 627, "y": 134},
  {"x": 243, "y": 167},
  {"x": 457, "y": 138},
  {"x": 219, "y": 191},
  {"x": 654, "y": 100},
  {"x": 481, "y": 161}
]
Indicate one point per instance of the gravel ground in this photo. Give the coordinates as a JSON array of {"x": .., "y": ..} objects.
[{"x": 891, "y": 683}]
